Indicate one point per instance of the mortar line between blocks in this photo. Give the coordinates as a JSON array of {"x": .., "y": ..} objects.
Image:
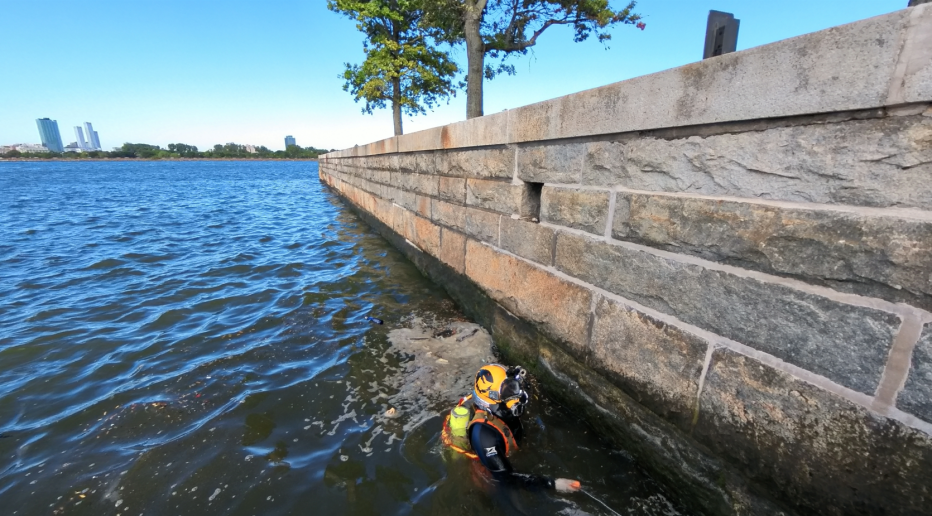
[
  {"x": 610, "y": 219},
  {"x": 863, "y": 400},
  {"x": 514, "y": 176},
  {"x": 896, "y": 369},
  {"x": 706, "y": 363}
]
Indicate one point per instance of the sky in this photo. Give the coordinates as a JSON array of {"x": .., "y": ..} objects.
[{"x": 203, "y": 72}]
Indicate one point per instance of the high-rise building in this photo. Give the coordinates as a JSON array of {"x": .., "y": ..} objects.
[
  {"x": 92, "y": 137},
  {"x": 289, "y": 140},
  {"x": 48, "y": 131},
  {"x": 79, "y": 135}
]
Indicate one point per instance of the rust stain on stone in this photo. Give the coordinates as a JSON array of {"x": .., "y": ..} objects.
[{"x": 446, "y": 140}]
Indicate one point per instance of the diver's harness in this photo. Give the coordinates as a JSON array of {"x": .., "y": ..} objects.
[{"x": 464, "y": 415}]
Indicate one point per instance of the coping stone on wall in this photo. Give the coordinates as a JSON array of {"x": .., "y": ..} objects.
[
  {"x": 428, "y": 139},
  {"x": 476, "y": 132},
  {"x": 912, "y": 81},
  {"x": 843, "y": 68}
]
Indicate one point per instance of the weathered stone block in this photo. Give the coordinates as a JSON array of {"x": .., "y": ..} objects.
[
  {"x": 406, "y": 181},
  {"x": 406, "y": 164},
  {"x": 497, "y": 196},
  {"x": 560, "y": 307},
  {"x": 874, "y": 162},
  {"x": 425, "y": 184},
  {"x": 865, "y": 253},
  {"x": 823, "y": 454},
  {"x": 551, "y": 163},
  {"x": 407, "y": 199},
  {"x": 452, "y": 189},
  {"x": 453, "y": 249},
  {"x": 916, "y": 396},
  {"x": 703, "y": 481},
  {"x": 483, "y": 225},
  {"x": 575, "y": 208},
  {"x": 601, "y": 162},
  {"x": 528, "y": 240},
  {"x": 449, "y": 215},
  {"x": 423, "y": 206},
  {"x": 654, "y": 363},
  {"x": 427, "y": 163},
  {"x": 390, "y": 193},
  {"x": 398, "y": 220},
  {"x": 480, "y": 163},
  {"x": 426, "y": 235},
  {"x": 848, "y": 344}
]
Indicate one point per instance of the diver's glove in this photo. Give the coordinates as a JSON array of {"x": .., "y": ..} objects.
[{"x": 566, "y": 485}]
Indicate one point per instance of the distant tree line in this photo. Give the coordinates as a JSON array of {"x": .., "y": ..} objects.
[{"x": 178, "y": 150}]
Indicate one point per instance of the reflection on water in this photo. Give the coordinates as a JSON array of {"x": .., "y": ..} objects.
[{"x": 190, "y": 338}]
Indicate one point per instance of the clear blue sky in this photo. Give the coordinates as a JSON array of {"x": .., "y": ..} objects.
[{"x": 211, "y": 71}]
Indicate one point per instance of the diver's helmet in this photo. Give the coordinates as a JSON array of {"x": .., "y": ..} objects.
[{"x": 500, "y": 391}]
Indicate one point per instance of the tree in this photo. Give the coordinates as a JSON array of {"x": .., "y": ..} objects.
[
  {"x": 403, "y": 65},
  {"x": 183, "y": 150},
  {"x": 499, "y": 28}
]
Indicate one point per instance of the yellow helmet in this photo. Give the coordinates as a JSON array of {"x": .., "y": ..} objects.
[{"x": 497, "y": 387}]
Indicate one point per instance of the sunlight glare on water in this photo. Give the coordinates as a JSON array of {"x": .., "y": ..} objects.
[{"x": 190, "y": 338}]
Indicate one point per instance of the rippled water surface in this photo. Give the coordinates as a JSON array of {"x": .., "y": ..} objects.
[{"x": 190, "y": 338}]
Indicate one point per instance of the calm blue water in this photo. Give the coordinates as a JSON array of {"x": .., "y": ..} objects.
[{"x": 183, "y": 338}]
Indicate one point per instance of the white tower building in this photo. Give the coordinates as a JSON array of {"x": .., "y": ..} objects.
[
  {"x": 92, "y": 137},
  {"x": 79, "y": 136}
]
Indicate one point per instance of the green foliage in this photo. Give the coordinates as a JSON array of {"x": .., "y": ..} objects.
[
  {"x": 183, "y": 150},
  {"x": 140, "y": 150},
  {"x": 500, "y": 28},
  {"x": 403, "y": 66}
]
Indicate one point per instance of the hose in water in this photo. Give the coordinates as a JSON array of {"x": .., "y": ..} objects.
[{"x": 601, "y": 502}]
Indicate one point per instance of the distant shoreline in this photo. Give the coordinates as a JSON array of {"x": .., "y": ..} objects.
[{"x": 156, "y": 159}]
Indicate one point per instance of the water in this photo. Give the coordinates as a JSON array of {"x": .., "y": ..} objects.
[{"x": 190, "y": 338}]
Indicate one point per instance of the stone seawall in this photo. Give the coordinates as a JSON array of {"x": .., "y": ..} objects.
[{"x": 727, "y": 266}]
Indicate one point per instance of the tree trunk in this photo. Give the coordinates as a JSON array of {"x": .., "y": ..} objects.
[
  {"x": 396, "y": 85},
  {"x": 396, "y": 105},
  {"x": 475, "y": 58}
]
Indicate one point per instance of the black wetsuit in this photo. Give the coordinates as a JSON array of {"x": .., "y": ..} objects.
[{"x": 489, "y": 445}]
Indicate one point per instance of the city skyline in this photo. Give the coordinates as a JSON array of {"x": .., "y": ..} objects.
[{"x": 233, "y": 88}]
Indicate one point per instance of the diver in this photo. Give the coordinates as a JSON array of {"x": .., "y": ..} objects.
[{"x": 486, "y": 426}]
